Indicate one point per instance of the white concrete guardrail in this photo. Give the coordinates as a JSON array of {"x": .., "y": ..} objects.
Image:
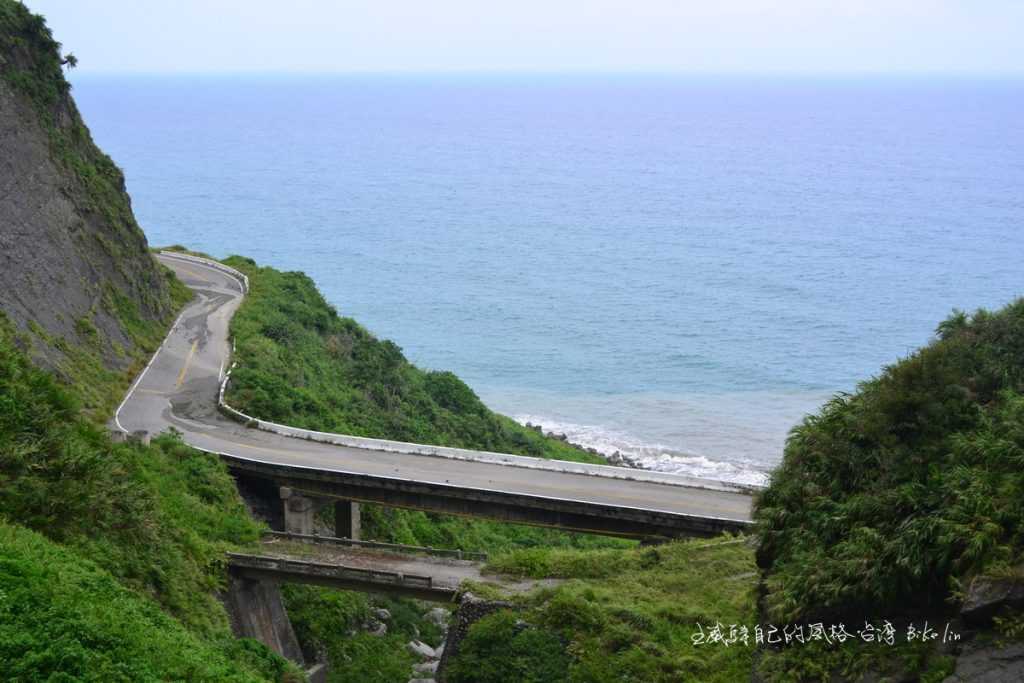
[
  {"x": 242, "y": 278},
  {"x": 445, "y": 451}
]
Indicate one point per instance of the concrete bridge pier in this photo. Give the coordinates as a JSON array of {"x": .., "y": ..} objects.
[
  {"x": 347, "y": 520},
  {"x": 300, "y": 514},
  {"x": 299, "y": 511}
]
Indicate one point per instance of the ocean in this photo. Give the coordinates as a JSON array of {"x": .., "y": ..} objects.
[{"x": 675, "y": 268}]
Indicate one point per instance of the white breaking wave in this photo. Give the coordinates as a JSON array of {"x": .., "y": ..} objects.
[{"x": 651, "y": 456}]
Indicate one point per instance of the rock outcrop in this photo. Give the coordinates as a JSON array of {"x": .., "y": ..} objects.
[
  {"x": 471, "y": 609},
  {"x": 988, "y": 596},
  {"x": 989, "y": 664},
  {"x": 75, "y": 271}
]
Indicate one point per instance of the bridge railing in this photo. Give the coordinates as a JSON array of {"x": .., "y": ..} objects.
[{"x": 378, "y": 545}]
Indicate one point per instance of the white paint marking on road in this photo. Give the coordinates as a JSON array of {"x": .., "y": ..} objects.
[{"x": 117, "y": 413}]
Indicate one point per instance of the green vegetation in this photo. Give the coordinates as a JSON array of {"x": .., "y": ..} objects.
[
  {"x": 331, "y": 621},
  {"x": 895, "y": 495},
  {"x": 620, "y": 615},
  {"x": 110, "y": 554},
  {"x": 38, "y": 74},
  {"x": 893, "y": 498},
  {"x": 136, "y": 530},
  {"x": 63, "y": 618}
]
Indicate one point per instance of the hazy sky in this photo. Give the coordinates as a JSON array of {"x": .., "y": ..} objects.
[{"x": 847, "y": 36}]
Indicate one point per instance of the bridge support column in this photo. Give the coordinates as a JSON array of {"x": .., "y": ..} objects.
[
  {"x": 299, "y": 512},
  {"x": 257, "y": 611},
  {"x": 347, "y": 523}
]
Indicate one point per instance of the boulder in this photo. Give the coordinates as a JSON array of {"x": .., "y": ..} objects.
[
  {"x": 987, "y": 596},
  {"x": 421, "y": 649},
  {"x": 989, "y": 664},
  {"x": 425, "y": 667}
]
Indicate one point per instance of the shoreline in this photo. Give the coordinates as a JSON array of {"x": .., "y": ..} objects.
[{"x": 636, "y": 462}]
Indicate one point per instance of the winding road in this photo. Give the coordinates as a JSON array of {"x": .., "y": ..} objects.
[{"x": 179, "y": 389}]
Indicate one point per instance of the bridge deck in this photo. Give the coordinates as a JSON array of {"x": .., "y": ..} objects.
[
  {"x": 180, "y": 386},
  {"x": 332, "y": 564}
]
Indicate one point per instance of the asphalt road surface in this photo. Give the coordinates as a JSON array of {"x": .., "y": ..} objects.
[{"x": 179, "y": 389}]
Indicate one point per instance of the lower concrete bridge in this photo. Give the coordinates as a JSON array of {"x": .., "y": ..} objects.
[
  {"x": 183, "y": 386},
  {"x": 288, "y": 570},
  {"x": 423, "y": 573}
]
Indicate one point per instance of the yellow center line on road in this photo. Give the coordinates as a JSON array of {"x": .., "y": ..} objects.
[
  {"x": 255, "y": 448},
  {"x": 201, "y": 278},
  {"x": 188, "y": 361}
]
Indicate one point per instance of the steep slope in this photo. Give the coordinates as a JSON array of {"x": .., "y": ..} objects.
[
  {"x": 75, "y": 272},
  {"x": 892, "y": 500},
  {"x": 111, "y": 554}
]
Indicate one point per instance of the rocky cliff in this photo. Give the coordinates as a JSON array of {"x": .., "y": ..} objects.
[{"x": 76, "y": 276}]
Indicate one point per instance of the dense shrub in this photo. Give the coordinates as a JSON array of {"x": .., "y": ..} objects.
[
  {"x": 129, "y": 530},
  {"x": 890, "y": 498},
  {"x": 501, "y": 648},
  {"x": 63, "y": 618}
]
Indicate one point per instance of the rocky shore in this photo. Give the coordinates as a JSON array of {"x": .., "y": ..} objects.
[{"x": 617, "y": 458}]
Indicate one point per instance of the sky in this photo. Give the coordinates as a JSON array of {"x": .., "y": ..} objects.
[{"x": 688, "y": 36}]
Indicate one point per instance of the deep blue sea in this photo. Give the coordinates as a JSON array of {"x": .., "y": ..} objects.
[{"x": 675, "y": 268}]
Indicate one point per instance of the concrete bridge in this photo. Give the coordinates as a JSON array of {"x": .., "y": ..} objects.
[
  {"x": 183, "y": 388},
  {"x": 369, "y": 567}
]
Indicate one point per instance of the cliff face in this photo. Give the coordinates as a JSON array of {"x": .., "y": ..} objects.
[{"x": 75, "y": 272}]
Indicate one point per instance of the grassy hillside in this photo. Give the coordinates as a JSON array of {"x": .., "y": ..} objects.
[
  {"x": 620, "y": 615},
  {"x": 134, "y": 544},
  {"x": 63, "y": 617}
]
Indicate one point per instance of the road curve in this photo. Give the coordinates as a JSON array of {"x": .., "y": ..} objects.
[{"x": 179, "y": 389}]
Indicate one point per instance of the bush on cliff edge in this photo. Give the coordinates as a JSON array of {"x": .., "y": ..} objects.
[{"x": 890, "y": 498}]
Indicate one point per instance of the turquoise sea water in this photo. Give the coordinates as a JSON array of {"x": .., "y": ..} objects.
[{"x": 678, "y": 269}]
